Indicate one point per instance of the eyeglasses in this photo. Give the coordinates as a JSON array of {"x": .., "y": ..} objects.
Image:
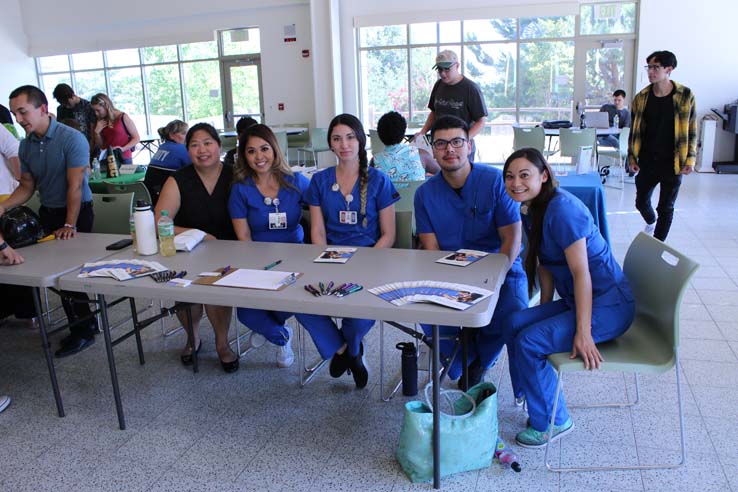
[
  {"x": 456, "y": 143},
  {"x": 655, "y": 68},
  {"x": 444, "y": 69}
]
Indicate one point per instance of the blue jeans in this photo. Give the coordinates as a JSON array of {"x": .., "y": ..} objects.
[{"x": 532, "y": 334}]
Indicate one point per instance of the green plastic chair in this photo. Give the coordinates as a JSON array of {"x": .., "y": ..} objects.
[
  {"x": 659, "y": 276},
  {"x": 112, "y": 213},
  {"x": 407, "y": 196},
  {"x": 301, "y": 139},
  {"x": 572, "y": 139},
  {"x": 138, "y": 189},
  {"x": 318, "y": 143},
  {"x": 403, "y": 229},
  {"x": 283, "y": 145},
  {"x": 529, "y": 138},
  {"x": 620, "y": 154}
]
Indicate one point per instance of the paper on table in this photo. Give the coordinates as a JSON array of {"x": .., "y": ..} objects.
[{"x": 256, "y": 279}]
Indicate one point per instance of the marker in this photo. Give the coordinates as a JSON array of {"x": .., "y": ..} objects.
[
  {"x": 321, "y": 288},
  {"x": 329, "y": 287},
  {"x": 226, "y": 269},
  {"x": 338, "y": 289},
  {"x": 355, "y": 288},
  {"x": 310, "y": 289},
  {"x": 181, "y": 274},
  {"x": 272, "y": 265}
]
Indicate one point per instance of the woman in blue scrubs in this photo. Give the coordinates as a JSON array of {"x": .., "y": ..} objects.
[
  {"x": 266, "y": 205},
  {"x": 569, "y": 255},
  {"x": 350, "y": 205}
]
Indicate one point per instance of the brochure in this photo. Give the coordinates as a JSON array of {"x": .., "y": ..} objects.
[
  {"x": 456, "y": 296},
  {"x": 462, "y": 257},
  {"x": 335, "y": 255},
  {"x": 121, "y": 269}
]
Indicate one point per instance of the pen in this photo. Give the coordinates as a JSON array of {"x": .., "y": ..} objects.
[
  {"x": 329, "y": 287},
  {"x": 226, "y": 269},
  {"x": 181, "y": 274},
  {"x": 321, "y": 288},
  {"x": 355, "y": 288},
  {"x": 310, "y": 289},
  {"x": 272, "y": 265},
  {"x": 338, "y": 289}
]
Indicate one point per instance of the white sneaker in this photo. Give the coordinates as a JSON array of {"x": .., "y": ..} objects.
[
  {"x": 285, "y": 355},
  {"x": 649, "y": 229},
  {"x": 4, "y": 402}
]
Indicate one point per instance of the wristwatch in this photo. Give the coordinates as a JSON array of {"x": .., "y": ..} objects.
[{"x": 3, "y": 246}]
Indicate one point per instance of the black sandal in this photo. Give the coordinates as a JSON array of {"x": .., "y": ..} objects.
[{"x": 187, "y": 358}]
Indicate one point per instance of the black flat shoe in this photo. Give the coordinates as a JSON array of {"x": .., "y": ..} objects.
[
  {"x": 339, "y": 364},
  {"x": 187, "y": 358},
  {"x": 358, "y": 368},
  {"x": 72, "y": 345}
]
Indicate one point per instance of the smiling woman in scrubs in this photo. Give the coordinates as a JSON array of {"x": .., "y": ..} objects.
[
  {"x": 266, "y": 205},
  {"x": 350, "y": 205},
  {"x": 569, "y": 255}
]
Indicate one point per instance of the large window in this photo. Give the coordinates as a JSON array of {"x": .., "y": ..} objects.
[
  {"x": 155, "y": 84},
  {"x": 524, "y": 66}
]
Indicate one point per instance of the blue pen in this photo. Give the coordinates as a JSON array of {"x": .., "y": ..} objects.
[
  {"x": 226, "y": 269},
  {"x": 181, "y": 274},
  {"x": 329, "y": 287}
]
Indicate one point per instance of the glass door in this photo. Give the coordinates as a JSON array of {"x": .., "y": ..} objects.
[
  {"x": 242, "y": 94},
  {"x": 603, "y": 66}
]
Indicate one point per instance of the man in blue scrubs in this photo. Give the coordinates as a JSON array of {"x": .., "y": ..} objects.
[
  {"x": 466, "y": 206},
  {"x": 54, "y": 160}
]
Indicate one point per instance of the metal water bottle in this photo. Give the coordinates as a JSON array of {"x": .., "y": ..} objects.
[{"x": 409, "y": 368}]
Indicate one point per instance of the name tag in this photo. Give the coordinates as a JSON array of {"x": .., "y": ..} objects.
[
  {"x": 347, "y": 217},
  {"x": 278, "y": 220}
]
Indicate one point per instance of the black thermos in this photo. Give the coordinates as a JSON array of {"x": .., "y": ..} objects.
[{"x": 409, "y": 368}]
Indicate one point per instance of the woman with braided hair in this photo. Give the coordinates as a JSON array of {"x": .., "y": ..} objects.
[{"x": 350, "y": 205}]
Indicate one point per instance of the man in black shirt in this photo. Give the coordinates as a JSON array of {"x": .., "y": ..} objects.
[{"x": 662, "y": 144}]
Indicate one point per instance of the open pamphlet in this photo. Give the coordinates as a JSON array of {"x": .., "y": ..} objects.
[
  {"x": 121, "y": 269},
  {"x": 335, "y": 255},
  {"x": 246, "y": 278},
  {"x": 462, "y": 257},
  {"x": 456, "y": 296}
]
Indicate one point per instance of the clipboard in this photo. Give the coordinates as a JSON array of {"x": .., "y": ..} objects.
[{"x": 245, "y": 278}]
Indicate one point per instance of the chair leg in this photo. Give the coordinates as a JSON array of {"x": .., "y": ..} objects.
[
  {"x": 311, "y": 371},
  {"x": 683, "y": 448},
  {"x": 381, "y": 368}
]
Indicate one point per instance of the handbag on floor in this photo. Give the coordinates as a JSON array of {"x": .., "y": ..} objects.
[{"x": 468, "y": 432}]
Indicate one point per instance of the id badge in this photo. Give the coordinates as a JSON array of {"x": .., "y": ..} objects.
[
  {"x": 347, "y": 217},
  {"x": 278, "y": 220}
]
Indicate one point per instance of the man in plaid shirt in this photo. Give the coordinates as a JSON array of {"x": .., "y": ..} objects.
[{"x": 663, "y": 141}]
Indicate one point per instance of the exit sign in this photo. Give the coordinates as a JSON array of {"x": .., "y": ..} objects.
[{"x": 606, "y": 11}]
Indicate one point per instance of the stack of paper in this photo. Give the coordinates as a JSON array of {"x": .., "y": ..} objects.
[
  {"x": 456, "y": 296},
  {"x": 335, "y": 255},
  {"x": 462, "y": 257},
  {"x": 121, "y": 269}
]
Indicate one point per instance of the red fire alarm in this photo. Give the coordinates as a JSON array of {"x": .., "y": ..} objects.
[
  {"x": 305, "y": 53},
  {"x": 280, "y": 106}
]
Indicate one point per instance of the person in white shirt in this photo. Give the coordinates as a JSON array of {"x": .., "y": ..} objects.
[{"x": 9, "y": 163}]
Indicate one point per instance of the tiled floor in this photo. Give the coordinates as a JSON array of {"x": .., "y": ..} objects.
[{"x": 257, "y": 430}]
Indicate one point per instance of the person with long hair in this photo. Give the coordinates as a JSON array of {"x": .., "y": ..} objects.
[
  {"x": 266, "y": 205},
  {"x": 114, "y": 128},
  {"x": 351, "y": 205},
  {"x": 196, "y": 197},
  {"x": 568, "y": 254},
  {"x": 169, "y": 157}
]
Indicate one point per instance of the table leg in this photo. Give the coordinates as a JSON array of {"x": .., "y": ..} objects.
[
  {"x": 47, "y": 350},
  {"x": 191, "y": 337},
  {"x": 139, "y": 345},
  {"x": 464, "y": 359},
  {"x": 111, "y": 360},
  {"x": 436, "y": 408}
]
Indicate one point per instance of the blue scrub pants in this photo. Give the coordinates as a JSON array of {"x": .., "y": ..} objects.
[
  {"x": 267, "y": 323},
  {"x": 328, "y": 338},
  {"x": 534, "y": 333},
  {"x": 489, "y": 339}
]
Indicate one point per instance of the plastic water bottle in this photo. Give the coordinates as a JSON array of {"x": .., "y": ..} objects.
[
  {"x": 616, "y": 121},
  {"x": 506, "y": 456},
  {"x": 582, "y": 121},
  {"x": 132, "y": 228},
  {"x": 166, "y": 234},
  {"x": 96, "y": 175},
  {"x": 143, "y": 218}
]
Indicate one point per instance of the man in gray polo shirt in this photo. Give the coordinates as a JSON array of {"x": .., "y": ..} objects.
[
  {"x": 456, "y": 95},
  {"x": 54, "y": 160}
]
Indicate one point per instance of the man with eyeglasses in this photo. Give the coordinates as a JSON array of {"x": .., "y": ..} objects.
[
  {"x": 663, "y": 141},
  {"x": 465, "y": 206},
  {"x": 456, "y": 95}
]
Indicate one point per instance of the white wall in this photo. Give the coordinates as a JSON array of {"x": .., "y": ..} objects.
[
  {"x": 703, "y": 40},
  {"x": 17, "y": 67},
  {"x": 87, "y": 25}
]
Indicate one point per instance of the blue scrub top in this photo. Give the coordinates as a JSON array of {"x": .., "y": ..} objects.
[
  {"x": 381, "y": 193},
  {"x": 171, "y": 155},
  {"x": 247, "y": 202},
  {"x": 468, "y": 219},
  {"x": 566, "y": 221}
]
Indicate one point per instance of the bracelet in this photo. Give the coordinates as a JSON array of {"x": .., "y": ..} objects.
[
  {"x": 4, "y": 246},
  {"x": 70, "y": 226}
]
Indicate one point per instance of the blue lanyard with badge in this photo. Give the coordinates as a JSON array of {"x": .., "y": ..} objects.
[
  {"x": 277, "y": 219},
  {"x": 348, "y": 216}
]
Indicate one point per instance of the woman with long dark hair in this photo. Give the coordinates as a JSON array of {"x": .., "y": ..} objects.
[
  {"x": 351, "y": 204},
  {"x": 567, "y": 253}
]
